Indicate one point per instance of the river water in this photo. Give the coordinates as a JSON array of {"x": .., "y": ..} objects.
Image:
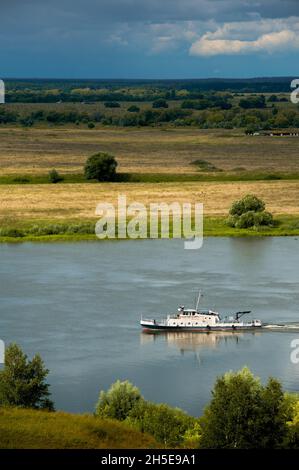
[{"x": 79, "y": 305}]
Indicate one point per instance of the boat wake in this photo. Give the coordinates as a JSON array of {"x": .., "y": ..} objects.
[{"x": 291, "y": 326}]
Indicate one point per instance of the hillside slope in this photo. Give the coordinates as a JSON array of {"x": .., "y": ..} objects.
[{"x": 28, "y": 429}]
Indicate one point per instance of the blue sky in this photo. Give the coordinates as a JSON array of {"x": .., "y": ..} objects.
[{"x": 149, "y": 38}]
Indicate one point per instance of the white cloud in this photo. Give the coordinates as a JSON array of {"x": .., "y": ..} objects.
[{"x": 248, "y": 37}]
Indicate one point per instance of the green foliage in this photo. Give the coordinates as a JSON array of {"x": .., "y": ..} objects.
[
  {"x": 245, "y": 220},
  {"x": 133, "y": 109},
  {"x": 112, "y": 104},
  {"x": 13, "y": 232},
  {"x": 91, "y": 125},
  {"x": 253, "y": 102},
  {"x": 160, "y": 104},
  {"x": 101, "y": 167},
  {"x": 54, "y": 176},
  {"x": 247, "y": 203},
  {"x": 168, "y": 425},
  {"x": 22, "y": 382},
  {"x": 118, "y": 401},
  {"x": 249, "y": 212},
  {"x": 244, "y": 414}
]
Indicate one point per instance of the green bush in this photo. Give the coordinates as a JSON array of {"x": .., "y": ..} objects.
[
  {"x": 246, "y": 204},
  {"x": 168, "y": 425},
  {"x": 118, "y": 401},
  {"x": 90, "y": 125},
  {"x": 101, "y": 167},
  {"x": 263, "y": 218},
  {"x": 246, "y": 220},
  {"x": 54, "y": 176},
  {"x": 11, "y": 232},
  {"x": 249, "y": 212}
]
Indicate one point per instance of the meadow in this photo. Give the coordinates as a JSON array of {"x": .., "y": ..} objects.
[
  {"x": 166, "y": 150},
  {"x": 215, "y": 167}
]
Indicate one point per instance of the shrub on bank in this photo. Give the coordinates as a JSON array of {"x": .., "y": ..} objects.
[{"x": 249, "y": 212}]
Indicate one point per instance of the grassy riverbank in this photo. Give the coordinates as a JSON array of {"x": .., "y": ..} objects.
[
  {"x": 77, "y": 230},
  {"x": 236, "y": 176},
  {"x": 31, "y": 429}
]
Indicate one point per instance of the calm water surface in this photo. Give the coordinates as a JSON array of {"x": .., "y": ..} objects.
[{"x": 79, "y": 304}]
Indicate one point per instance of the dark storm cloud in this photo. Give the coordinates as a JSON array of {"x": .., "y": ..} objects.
[
  {"x": 69, "y": 37},
  {"x": 97, "y": 11}
]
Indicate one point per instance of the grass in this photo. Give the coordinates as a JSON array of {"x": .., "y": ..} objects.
[
  {"x": 30, "y": 429},
  {"x": 35, "y": 151},
  {"x": 209, "y": 173},
  {"x": 76, "y": 230},
  {"x": 68, "y": 202}
]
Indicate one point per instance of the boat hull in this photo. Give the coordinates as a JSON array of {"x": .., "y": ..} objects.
[{"x": 200, "y": 329}]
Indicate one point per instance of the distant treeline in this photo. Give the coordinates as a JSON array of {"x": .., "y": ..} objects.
[
  {"x": 36, "y": 90},
  {"x": 206, "y": 111}
]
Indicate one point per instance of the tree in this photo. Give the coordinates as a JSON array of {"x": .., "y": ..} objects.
[
  {"x": 133, "y": 109},
  {"x": 54, "y": 176},
  {"x": 22, "y": 382},
  {"x": 101, "y": 167},
  {"x": 244, "y": 414},
  {"x": 160, "y": 103},
  {"x": 249, "y": 212},
  {"x": 118, "y": 401}
]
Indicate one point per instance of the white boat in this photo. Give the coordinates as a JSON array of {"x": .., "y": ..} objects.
[{"x": 200, "y": 320}]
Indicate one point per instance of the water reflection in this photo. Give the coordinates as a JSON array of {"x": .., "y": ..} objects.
[{"x": 187, "y": 342}]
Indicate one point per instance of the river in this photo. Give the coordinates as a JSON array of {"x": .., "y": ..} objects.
[{"x": 79, "y": 305}]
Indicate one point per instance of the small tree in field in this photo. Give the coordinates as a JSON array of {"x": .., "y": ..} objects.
[
  {"x": 54, "y": 176},
  {"x": 101, "y": 167},
  {"x": 118, "y": 401},
  {"x": 22, "y": 382}
]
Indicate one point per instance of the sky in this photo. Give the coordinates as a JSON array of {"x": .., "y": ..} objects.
[{"x": 149, "y": 38}]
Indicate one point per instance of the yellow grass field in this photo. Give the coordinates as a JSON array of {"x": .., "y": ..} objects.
[
  {"x": 146, "y": 150},
  {"x": 78, "y": 201}
]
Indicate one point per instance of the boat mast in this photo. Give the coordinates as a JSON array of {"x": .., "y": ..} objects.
[{"x": 198, "y": 300}]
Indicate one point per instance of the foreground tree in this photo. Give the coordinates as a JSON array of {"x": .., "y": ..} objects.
[
  {"x": 22, "y": 382},
  {"x": 118, "y": 401},
  {"x": 243, "y": 414},
  {"x": 101, "y": 167}
]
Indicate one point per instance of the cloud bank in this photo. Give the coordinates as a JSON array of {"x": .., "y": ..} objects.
[{"x": 271, "y": 42}]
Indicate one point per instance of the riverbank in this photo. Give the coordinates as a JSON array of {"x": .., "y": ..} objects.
[{"x": 79, "y": 230}]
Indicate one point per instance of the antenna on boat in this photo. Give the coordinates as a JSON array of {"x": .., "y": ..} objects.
[{"x": 198, "y": 300}]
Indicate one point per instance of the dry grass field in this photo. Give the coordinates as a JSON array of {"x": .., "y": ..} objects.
[
  {"x": 78, "y": 201},
  {"x": 145, "y": 150}
]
